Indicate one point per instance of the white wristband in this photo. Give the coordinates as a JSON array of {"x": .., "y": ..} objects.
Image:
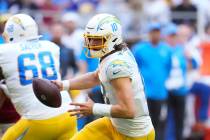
[
  {"x": 66, "y": 84},
  {"x": 102, "y": 109}
]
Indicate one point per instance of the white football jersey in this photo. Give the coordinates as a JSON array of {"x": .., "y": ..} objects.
[
  {"x": 20, "y": 63},
  {"x": 123, "y": 64}
]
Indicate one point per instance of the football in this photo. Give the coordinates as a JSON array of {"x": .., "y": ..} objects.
[{"x": 47, "y": 92}]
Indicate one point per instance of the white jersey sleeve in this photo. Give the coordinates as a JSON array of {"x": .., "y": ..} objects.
[{"x": 118, "y": 69}]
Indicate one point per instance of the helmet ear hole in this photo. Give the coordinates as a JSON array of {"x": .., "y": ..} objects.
[{"x": 11, "y": 39}]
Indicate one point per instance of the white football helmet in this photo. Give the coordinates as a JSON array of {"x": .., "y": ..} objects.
[
  {"x": 106, "y": 28},
  {"x": 20, "y": 27}
]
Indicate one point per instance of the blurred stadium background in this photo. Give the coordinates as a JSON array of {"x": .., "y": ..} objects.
[{"x": 63, "y": 22}]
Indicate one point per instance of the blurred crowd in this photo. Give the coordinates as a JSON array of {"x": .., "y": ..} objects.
[{"x": 170, "y": 40}]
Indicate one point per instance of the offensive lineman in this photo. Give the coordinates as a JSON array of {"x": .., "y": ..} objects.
[
  {"x": 126, "y": 112},
  {"x": 21, "y": 59}
]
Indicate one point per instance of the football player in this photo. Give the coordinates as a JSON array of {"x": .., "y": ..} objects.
[
  {"x": 23, "y": 58},
  {"x": 126, "y": 115}
]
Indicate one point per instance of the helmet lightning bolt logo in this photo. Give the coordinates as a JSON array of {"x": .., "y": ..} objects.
[{"x": 18, "y": 22}]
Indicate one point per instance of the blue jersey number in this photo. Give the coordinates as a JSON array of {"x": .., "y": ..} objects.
[{"x": 27, "y": 64}]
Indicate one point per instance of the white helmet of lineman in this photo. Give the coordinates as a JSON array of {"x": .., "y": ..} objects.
[
  {"x": 20, "y": 27},
  {"x": 106, "y": 28}
]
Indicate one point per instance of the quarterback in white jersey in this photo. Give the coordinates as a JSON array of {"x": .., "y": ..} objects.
[
  {"x": 126, "y": 112},
  {"x": 119, "y": 65},
  {"x": 23, "y": 58}
]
